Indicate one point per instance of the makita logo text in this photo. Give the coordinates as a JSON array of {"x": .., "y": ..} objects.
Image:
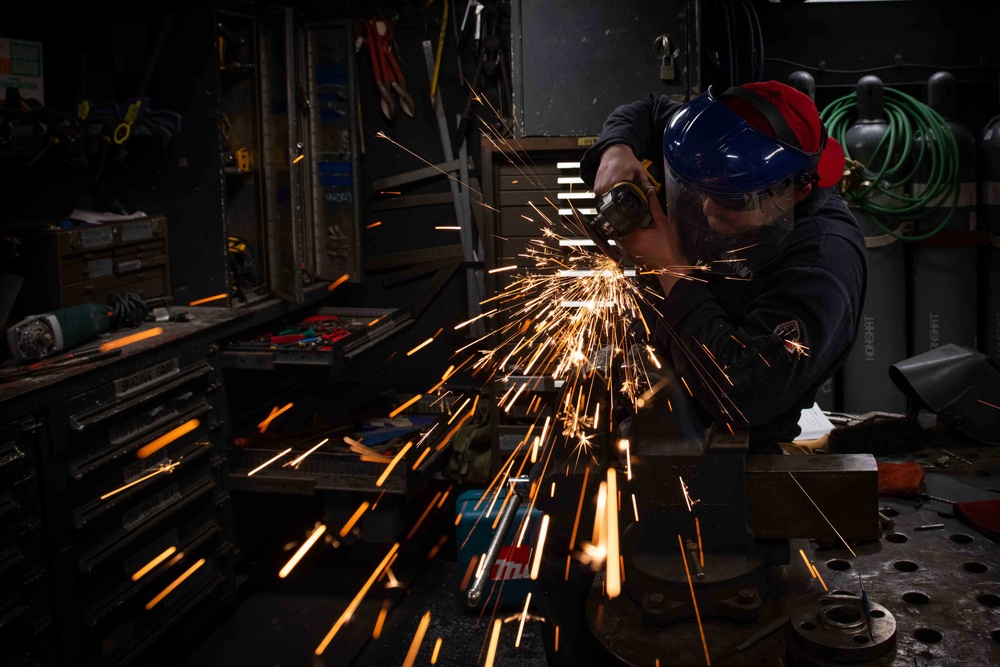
[
  {"x": 512, "y": 563},
  {"x": 869, "y": 328},
  {"x": 934, "y": 331}
]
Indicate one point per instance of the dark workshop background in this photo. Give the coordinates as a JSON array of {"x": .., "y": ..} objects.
[{"x": 569, "y": 63}]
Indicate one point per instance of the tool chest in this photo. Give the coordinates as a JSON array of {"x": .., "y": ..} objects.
[
  {"x": 326, "y": 337},
  {"x": 26, "y": 631},
  {"x": 140, "y": 527},
  {"x": 85, "y": 264}
]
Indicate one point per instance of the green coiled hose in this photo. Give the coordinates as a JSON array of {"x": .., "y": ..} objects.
[{"x": 908, "y": 120}]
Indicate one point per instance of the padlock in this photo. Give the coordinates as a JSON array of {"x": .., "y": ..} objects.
[{"x": 667, "y": 68}]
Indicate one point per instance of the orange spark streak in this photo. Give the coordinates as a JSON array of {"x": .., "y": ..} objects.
[
  {"x": 377, "y": 458},
  {"x": 989, "y": 404},
  {"x": 383, "y": 612},
  {"x": 808, "y": 564},
  {"x": 274, "y": 413},
  {"x": 694, "y": 601},
  {"x": 145, "y": 569},
  {"x": 473, "y": 563},
  {"x": 337, "y": 283},
  {"x": 823, "y": 515},
  {"x": 557, "y": 640},
  {"x": 162, "y": 469},
  {"x": 420, "y": 459},
  {"x": 388, "y": 469},
  {"x": 268, "y": 462},
  {"x": 374, "y": 224},
  {"x": 613, "y": 573},
  {"x": 422, "y": 345},
  {"x": 354, "y": 519},
  {"x": 405, "y": 405},
  {"x": 537, "y": 562},
  {"x": 491, "y": 654},
  {"x": 207, "y": 299},
  {"x": 128, "y": 340},
  {"x": 512, "y": 267},
  {"x": 174, "y": 584},
  {"x": 413, "y": 531},
  {"x": 294, "y": 560},
  {"x": 635, "y": 509},
  {"x": 437, "y": 650},
  {"x": 701, "y": 553},
  {"x": 520, "y": 626},
  {"x": 355, "y": 602},
  {"x": 296, "y": 461},
  {"x": 167, "y": 438},
  {"x": 820, "y": 577},
  {"x": 418, "y": 639}
]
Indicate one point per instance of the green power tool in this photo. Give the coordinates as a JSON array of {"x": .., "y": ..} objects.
[{"x": 40, "y": 336}]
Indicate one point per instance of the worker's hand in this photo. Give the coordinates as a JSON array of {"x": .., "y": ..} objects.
[
  {"x": 619, "y": 163},
  {"x": 657, "y": 247}
]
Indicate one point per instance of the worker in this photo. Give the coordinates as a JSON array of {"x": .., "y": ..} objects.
[{"x": 762, "y": 266}]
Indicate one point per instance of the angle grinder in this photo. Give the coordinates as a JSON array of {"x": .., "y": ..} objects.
[
  {"x": 622, "y": 210},
  {"x": 43, "y": 335}
]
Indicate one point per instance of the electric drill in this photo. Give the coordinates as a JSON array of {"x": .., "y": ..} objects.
[{"x": 623, "y": 209}]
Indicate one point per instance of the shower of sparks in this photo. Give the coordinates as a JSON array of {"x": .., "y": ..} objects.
[
  {"x": 354, "y": 519},
  {"x": 275, "y": 411}
]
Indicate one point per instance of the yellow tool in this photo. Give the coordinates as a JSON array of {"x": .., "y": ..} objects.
[{"x": 124, "y": 128}]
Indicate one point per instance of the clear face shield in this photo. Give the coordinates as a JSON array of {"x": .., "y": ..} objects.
[{"x": 729, "y": 188}]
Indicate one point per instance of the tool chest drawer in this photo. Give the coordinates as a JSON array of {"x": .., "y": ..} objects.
[
  {"x": 327, "y": 337},
  {"x": 26, "y": 634},
  {"x": 138, "y": 511},
  {"x": 86, "y": 264}
]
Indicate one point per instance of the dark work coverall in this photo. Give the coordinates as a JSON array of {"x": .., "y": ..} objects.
[{"x": 812, "y": 294}]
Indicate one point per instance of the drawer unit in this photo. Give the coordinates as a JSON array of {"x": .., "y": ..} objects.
[
  {"x": 86, "y": 264},
  {"x": 139, "y": 514},
  {"x": 26, "y": 632}
]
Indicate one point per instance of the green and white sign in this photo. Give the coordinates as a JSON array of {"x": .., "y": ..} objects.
[{"x": 21, "y": 68}]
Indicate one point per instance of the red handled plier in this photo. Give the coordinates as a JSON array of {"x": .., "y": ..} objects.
[{"x": 377, "y": 33}]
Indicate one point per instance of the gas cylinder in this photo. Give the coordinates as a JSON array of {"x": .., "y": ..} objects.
[
  {"x": 804, "y": 83},
  {"x": 943, "y": 278},
  {"x": 881, "y": 340},
  {"x": 989, "y": 206}
]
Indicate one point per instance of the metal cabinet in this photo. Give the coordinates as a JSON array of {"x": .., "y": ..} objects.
[{"x": 139, "y": 525}]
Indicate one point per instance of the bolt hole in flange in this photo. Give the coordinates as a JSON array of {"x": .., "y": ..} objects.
[
  {"x": 959, "y": 538},
  {"x": 838, "y": 565},
  {"x": 906, "y": 566},
  {"x": 896, "y": 538},
  {"x": 988, "y": 600},
  {"x": 975, "y": 568},
  {"x": 927, "y": 636},
  {"x": 915, "y": 597},
  {"x": 808, "y": 627}
]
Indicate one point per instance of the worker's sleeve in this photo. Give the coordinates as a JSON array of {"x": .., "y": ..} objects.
[
  {"x": 639, "y": 125},
  {"x": 749, "y": 371}
]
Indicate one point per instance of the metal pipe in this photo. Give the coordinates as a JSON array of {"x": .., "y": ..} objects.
[{"x": 474, "y": 596}]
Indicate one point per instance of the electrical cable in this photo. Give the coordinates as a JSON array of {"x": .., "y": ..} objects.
[
  {"x": 911, "y": 142},
  {"x": 127, "y": 310},
  {"x": 882, "y": 68}
]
